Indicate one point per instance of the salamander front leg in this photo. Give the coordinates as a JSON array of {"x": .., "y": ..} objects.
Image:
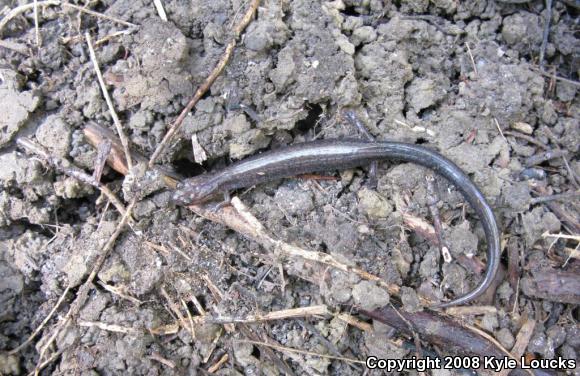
[
  {"x": 351, "y": 117},
  {"x": 227, "y": 201}
]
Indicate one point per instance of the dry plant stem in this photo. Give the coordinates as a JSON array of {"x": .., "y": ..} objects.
[
  {"x": 160, "y": 10},
  {"x": 472, "y": 60},
  {"x": 303, "y": 352},
  {"x": 83, "y": 291},
  {"x": 176, "y": 310},
  {"x": 99, "y": 15},
  {"x": 557, "y": 197},
  {"x": 522, "y": 340},
  {"x": 42, "y": 324},
  {"x": 318, "y": 310},
  {"x": 68, "y": 169},
  {"x": 207, "y": 83},
  {"x": 219, "y": 363},
  {"x": 555, "y": 77},
  {"x": 16, "y": 47},
  {"x": 112, "y": 111},
  {"x": 243, "y": 222},
  {"x": 561, "y": 236},
  {"x": 531, "y": 140},
  {"x": 353, "y": 321},
  {"x": 23, "y": 8},
  {"x": 108, "y": 327},
  {"x": 471, "y": 310},
  {"x": 26, "y": 7},
  {"x": 156, "y": 356},
  {"x": 52, "y": 358}
]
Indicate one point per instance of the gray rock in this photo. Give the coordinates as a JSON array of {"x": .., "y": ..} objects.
[{"x": 369, "y": 296}]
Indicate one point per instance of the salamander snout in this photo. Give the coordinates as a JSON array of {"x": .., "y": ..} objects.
[{"x": 194, "y": 191}]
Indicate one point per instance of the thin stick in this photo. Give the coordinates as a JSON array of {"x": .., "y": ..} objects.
[
  {"x": 108, "y": 327},
  {"x": 206, "y": 84},
  {"x": 23, "y": 8},
  {"x": 557, "y": 197},
  {"x": 112, "y": 111},
  {"x": 303, "y": 352},
  {"x": 16, "y": 47},
  {"x": 531, "y": 140},
  {"x": 160, "y": 10},
  {"x": 561, "y": 236},
  {"x": 522, "y": 340},
  {"x": 43, "y": 323},
  {"x": 52, "y": 358},
  {"x": 83, "y": 291},
  {"x": 219, "y": 363},
  {"x": 26, "y": 7},
  {"x": 68, "y": 169},
  {"x": 292, "y": 313},
  {"x": 99, "y": 15},
  {"x": 555, "y": 77},
  {"x": 156, "y": 356},
  {"x": 472, "y": 60},
  {"x": 499, "y": 129}
]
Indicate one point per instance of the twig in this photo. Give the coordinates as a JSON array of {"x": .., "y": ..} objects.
[
  {"x": 303, "y": 352},
  {"x": 108, "y": 327},
  {"x": 531, "y": 140},
  {"x": 118, "y": 291},
  {"x": 68, "y": 169},
  {"x": 471, "y": 310},
  {"x": 43, "y": 323},
  {"x": 561, "y": 236},
  {"x": 522, "y": 340},
  {"x": 26, "y": 7},
  {"x": 572, "y": 175},
  {"x": 353, "y": 321},
  {"x": 112, "y": 111},
  {"x": 207, "y": 83},
  {"x": 219, "y": 363},
  {"x": 17, "y": 47},
  {"x": 537, "y": 159},
  {"x": 52, "y": 358},
  {"x": 156, "y": 356},
  {"x": 499, "y": 129},
  {"x": 318, "y": 310},
  {"x": 472, "y": 60},
  {"x": 175, "y": 308},
  {"x": 556, "y": 197},
  {"x": 160, "y": 10},
  {"x": 23, "y": 8},
  {"x": 555, "y": 77},
  {"x": 83, "y": 291},
  {"x": 99, "y": 15}
]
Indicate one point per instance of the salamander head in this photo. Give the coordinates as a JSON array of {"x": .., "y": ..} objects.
[{"x": 195, "y": 190}]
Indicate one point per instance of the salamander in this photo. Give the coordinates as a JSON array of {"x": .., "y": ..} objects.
[{"x": 326, "y": 155}]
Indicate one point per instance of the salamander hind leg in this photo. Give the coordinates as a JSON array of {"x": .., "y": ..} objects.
[
  {"x": 351, "y": 117},
  {"x": 226, "y": 202}
]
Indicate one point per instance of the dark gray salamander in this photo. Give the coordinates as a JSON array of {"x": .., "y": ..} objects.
[{"x": 327, "y": 155}]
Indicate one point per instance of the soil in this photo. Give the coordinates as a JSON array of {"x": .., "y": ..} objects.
[{"x": 461, "y": 77}]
